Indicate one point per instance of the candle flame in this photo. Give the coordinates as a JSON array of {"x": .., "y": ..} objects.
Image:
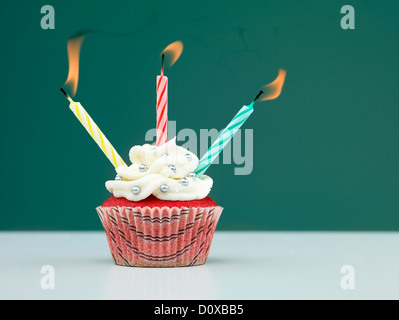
[
  {"x": 172, "y": 52},
  {"x": 73, "y": 48},
  {"x": 273, "y": 89}
]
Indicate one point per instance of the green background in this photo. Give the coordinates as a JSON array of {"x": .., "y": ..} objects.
[{"x": 326, "y": 152}]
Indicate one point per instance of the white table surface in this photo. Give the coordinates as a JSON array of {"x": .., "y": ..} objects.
[{"x": 241, "y": 265}]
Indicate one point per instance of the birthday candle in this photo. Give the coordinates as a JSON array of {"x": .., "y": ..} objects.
[
  {"x": 162, "y": 108},
  {"x": 273, "y": 90},
  {"x": 173, "y": 52},
  {"x": 224, "y": 138},
  {"x": 95, "y": 132}
]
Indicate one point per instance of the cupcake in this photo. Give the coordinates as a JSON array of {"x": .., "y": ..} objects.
[{"x": 159, "y": 213}]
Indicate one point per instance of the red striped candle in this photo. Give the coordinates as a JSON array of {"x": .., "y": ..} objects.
[
  {"x": 173, "y": 52},
  {"x": 162, "y": 108}
]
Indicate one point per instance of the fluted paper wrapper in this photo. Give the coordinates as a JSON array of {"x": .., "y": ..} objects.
[{"x": 159, "y": 237}]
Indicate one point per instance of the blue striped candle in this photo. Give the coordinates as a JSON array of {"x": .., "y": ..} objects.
[
  {"x": 225, "y": 137},
  {"x": 272, "y": 91}
]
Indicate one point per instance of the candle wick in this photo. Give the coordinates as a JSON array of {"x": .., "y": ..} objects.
[
  {"x": 67, "y": 95},
  {"x": 257, "y": 97},
  {"x": 162, "y": 63}
]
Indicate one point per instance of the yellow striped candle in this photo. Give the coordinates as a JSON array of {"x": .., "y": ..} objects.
[{"x": 95, "y": 132}]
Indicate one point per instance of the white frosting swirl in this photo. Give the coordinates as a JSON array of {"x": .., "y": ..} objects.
[{"x": 168, "y": 165}]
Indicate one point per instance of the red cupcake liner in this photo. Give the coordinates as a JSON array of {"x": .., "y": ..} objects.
[{"x": 159, "y": 237}]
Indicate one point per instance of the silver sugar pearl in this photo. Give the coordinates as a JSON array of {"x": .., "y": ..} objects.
[
  {"x": 192, "y": 175},
  {"x": 189, "y": 157},
  {"x": 142, "y": 167},
  {"x": 118, "y": 178},
  {"x": 164, "y": 188},
  {"x": 184, "y": 182},
  {"x": 166, "y": 155},
  {"x": 172, "y": 167},
  {"x": 153, "y": 147},
  {"x": 136, "y": 190}
]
